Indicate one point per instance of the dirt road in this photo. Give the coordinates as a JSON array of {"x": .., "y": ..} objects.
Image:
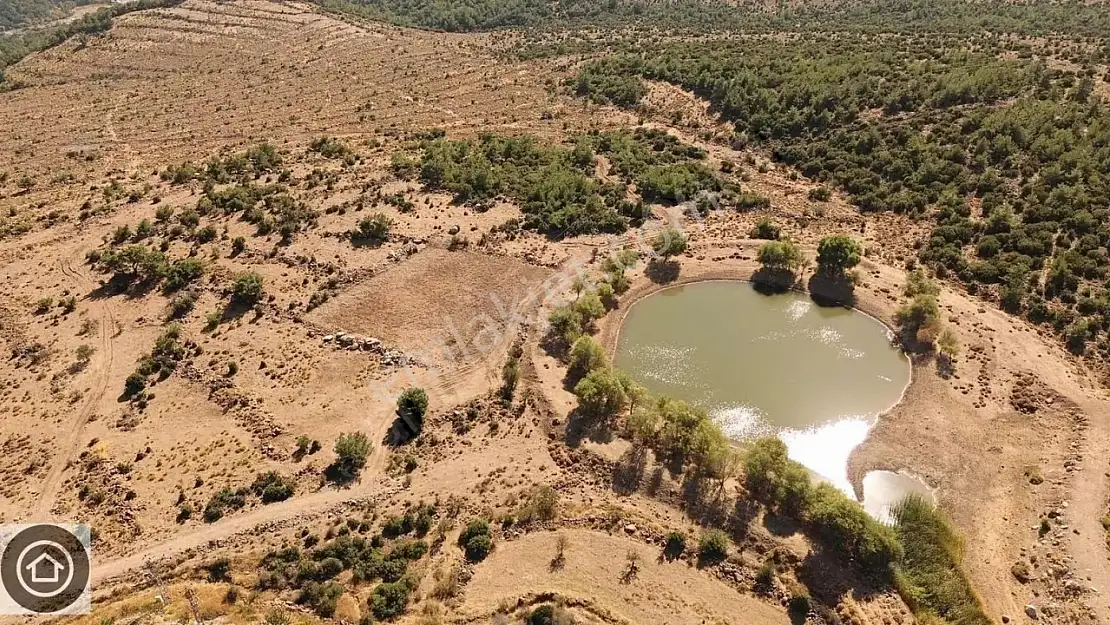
[{"x": 104, "y": 359}]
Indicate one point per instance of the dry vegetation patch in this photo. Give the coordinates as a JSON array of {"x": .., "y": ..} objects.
[{"x": 439, "y": 305}]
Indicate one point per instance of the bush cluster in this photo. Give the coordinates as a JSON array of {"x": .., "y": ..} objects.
[
  {"x": 313, "y": 572},
  {"x": 476, "y": 540},
  {"x": 771, "y": 477}
]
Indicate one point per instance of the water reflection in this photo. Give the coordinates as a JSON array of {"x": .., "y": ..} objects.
[{"x": 762, "y": 365}]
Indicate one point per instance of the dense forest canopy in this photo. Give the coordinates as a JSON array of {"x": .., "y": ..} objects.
[
  {"x": 18, "y": 13},
  {"x": 1010, "y": 159},
  {"x": 558, "y": 187},
  {"x": 1071, "y": 17}
]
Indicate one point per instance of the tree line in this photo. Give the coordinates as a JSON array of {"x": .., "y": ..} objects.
[{"x": 1069, "y": 17}]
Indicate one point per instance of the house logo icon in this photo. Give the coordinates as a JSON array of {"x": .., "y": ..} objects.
[{"x": 44, "y": 569}]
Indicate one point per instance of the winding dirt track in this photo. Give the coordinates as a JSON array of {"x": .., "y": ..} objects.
[
  {"x": 266, "y": 518},
  {"x": 105, "y": 358}
]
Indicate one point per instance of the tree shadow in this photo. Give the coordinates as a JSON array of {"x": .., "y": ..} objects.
[
  {"x": 235, "y": 310},
  {"x": 797, "y": 616},
  {"x": 336, "y": 475},
  {"x": 655, "y": 482},
  {"x": 629, "y": 471},
  {"x": 367, "y": 243},
  {"x": 703, "y": 500},
  {"x": 832, "y": 290},
  {"x": 744, "y": 512},
  {"x": 828, "y": 580},
  {"x": 123, "y": 284},
  {"x": 946, "y": 366},
  {"x": 770, "y": 281},
  {"x": 662, "y": 271},
  {"x": 582, "y": 426},
  {"x": 555, "y": 346},
  {"x": 780, "y": 524},
  {"x": 401, "y": 432}
]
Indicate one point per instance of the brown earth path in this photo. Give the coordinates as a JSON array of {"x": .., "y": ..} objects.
[
  {"x": 105, "y": 358},
  {"x": 265, "y": 518},
  {"x": 1088, "y": 543}
]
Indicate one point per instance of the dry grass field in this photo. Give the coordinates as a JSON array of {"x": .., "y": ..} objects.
[{"x": 96, "y": 124}]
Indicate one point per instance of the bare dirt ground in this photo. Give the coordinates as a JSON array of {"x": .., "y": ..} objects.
[{"x": 1018, "y": 436}]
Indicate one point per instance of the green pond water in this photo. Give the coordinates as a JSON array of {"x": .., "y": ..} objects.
[{"x": 817, "y": 377}]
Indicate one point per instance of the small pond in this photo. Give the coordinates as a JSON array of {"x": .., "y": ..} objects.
[{"x": 817, "y": 377}]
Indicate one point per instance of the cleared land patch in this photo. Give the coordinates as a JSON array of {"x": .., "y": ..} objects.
[{"x": 439, "y": 305}]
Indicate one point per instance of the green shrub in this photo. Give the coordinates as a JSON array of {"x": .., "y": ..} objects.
[
  {"x": 388, "y": 601},
  {"x": 182, "y": 304},
  {"x": 376, "y": 227},
  {"x": 329, "y": 147},
  {"x": 272, "y": 486},
  {"x": 134, "y": 384},
  {"x": 920, "y": 318},
  {"x": 411, "y": 408},
  {"x": 409, "y": 550},
  {"x": 564, "y": 325},
  {"x": 586, "y": 355},
  {"x": 844, "y": 523},
  {"x": 837, "y": 254},
  {"x": 322, "y": 598},
  {"x": 246, "y": 290},
  {"x": 675, "y": 545},
  {"x": 223, "y": 501},
  {"x": 219, "y": 570},
  {"x": 600, "y": 394},
  {"x": 476, "y": 540},
  {"x": 713, "y": 546},
  {"x": 781, "y": 255},
  {"x": 542, "y": 615},
  {"x": 799, "y": 605},
  {"x": 669, "y": 242},
  {"x": 478, "y": 548},
  {"x": 766, "y": 229},
  {"x": 930, "y": 577},
  {"x": 351, "y": 451},
  {"x": 183, "y": 272}
]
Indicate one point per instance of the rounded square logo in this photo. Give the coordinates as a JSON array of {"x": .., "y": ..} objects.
[{"x": 44, "y": 569}]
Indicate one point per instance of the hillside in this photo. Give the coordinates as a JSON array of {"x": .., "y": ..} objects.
[{"x": 238, "y": 236}]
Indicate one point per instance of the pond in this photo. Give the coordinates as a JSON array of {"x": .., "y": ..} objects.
[{"x": 817, "y": 377}]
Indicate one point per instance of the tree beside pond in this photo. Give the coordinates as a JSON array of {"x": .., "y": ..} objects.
[
  {"x": 601, "y": 393},
  {"x": 669, "y": 242},
  {"x": 919, "y": 319},
  {"x": 781, "y": 262},
  {"x": 838, "y": 253}
]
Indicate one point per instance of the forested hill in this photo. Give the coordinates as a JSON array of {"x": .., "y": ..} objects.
[
  {"x": 1072, "y": 17},
  {"x": 18, "y": 13}
]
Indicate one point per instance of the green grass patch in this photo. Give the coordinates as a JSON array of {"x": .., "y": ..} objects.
[{"x": 930, "y": 577}]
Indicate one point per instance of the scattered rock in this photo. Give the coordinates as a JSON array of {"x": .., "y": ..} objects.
[
  {"x": 1031, "y": 611},
  {"x": 1020, "y": 571}
]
